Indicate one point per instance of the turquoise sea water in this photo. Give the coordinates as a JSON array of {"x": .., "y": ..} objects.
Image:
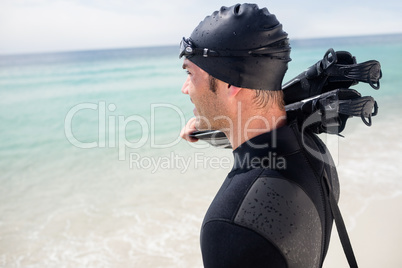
[{"x": 80, "y": 132}]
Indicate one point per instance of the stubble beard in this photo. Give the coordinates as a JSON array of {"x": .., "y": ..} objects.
[{"x": 212, "y": 120}]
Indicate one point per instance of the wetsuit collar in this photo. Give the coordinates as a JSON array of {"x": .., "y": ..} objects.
[{"x": 267, "y": 150}]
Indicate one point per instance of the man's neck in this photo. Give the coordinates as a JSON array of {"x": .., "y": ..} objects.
[{"x": 246, "y": 126}]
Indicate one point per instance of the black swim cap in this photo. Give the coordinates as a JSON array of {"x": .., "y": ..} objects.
[{"x": 241, "y": 45}]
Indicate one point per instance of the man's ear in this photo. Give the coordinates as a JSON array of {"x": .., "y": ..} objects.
[{"x": 233, "y": 90}]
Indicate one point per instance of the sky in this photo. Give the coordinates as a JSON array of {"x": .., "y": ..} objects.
[{"x": 33, "y": 26}]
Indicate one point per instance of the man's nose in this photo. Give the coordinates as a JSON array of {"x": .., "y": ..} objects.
[{"x": 185, "y": 86}]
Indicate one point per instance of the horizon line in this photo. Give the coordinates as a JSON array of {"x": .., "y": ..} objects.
[{"x": 296, "y": 39}]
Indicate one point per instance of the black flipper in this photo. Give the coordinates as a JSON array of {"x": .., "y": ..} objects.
[
  {"x": 335, "y": 70},
  {"x": 320, "y": 98},
  {"x": 328, "y": 112}
]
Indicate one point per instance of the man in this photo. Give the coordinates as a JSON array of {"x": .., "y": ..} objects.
[{"x": 273, "y": 208}]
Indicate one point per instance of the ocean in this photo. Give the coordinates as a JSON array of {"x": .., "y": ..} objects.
[{"x": 93, "y": 172}]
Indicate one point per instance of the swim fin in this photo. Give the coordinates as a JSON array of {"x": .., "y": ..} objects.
[
  {"x": 335, "y": 70},
  {"x": 320, "y": 99}
]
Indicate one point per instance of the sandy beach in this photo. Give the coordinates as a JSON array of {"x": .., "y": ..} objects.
[{"x": 376, "y": 237}]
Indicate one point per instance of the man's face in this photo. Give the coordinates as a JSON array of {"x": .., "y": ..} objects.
[{"x": 208, "y": 104}]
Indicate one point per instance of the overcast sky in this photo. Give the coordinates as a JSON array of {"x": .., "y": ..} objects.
[{"x": 62, "y": 25}]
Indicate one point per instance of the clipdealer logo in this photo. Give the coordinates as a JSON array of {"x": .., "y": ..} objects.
[{"x": 111, "y": 133}]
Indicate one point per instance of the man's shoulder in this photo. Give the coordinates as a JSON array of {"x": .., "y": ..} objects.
[{"x": 282, "y": 212}]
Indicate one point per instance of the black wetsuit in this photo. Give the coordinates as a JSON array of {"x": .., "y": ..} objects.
[{"x": 272, "y": 209}]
